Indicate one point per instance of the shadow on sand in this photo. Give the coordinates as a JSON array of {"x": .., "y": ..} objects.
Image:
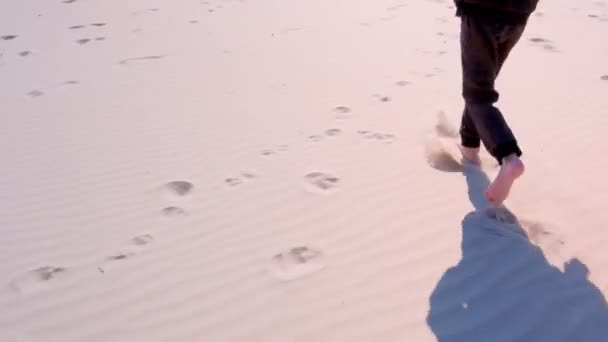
[{"x": 504, "y": 289}]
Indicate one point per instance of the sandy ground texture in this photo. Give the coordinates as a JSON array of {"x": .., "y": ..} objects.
[{"x": 281, "y": 170}]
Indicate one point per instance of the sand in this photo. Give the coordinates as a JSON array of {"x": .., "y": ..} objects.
[{"x": 287, "y": 171}]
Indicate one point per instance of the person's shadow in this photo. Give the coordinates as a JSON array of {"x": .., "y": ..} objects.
[{"x": 504, "y": 289}]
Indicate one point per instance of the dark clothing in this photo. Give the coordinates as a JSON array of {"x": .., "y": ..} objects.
[
  {"x": 485, "y": 46},
  {"x": 507, "y": 8},
  {"x": 490, "y": 14}
]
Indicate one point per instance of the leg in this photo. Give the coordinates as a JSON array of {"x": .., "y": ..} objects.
[
  {"x": 485, "y": 47},
  {"x": 482, "y": 55},
  {"x": 469, "y": 139}
]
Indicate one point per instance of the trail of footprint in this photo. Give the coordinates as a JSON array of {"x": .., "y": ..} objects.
[
  {"x": 232, "y": 182},
  {"x": 269, "y": 152},
  {"x": 176, "y": 190},
  {"x": 37, "y": 279},
  {"x": 134, "y": 247},
  {"x": 321, "y": 182},
  {"x": 296, "y": 262}
]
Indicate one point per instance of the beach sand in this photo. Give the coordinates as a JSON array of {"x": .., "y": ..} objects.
[{"x": 288, "y": 171}]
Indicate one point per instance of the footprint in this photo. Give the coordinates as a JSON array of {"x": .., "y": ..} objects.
[
  {"x": 25, "y": 53},
  {"x": 36, "y": 279},
  {"x": 248, "y": 175},
  {"x": 233, "y": 181},
  {"x": 193, "y": 21},
  {"x": 315, "y": 138},
  {"x": 76, "y": 27},
  {"x": 98, "y": 24},
  {"x": 320, "y": 182},
  {"x": 333, "y": 132},
  {"x": 8, "y": 37},
  {"x": 604, "y": 77},
  {"x": 135, "y": 246},
  {"x": 296, "y": 262},
  {"x": 546, "y": 44},
  {"x": 383, "y": 137},
  {"x": 100, "y": 38},
  {"x": 35, "y": 93},
  {"x": 83, "y": 41},
  {"x": 144, "y": 58},
  {"x": 179, "y": 188},
  {"x": 342, "y": 112},
  {"x": 382, "y": 98},
  {"x": 269, "y": 152},
  {"x": 402, "y": 83},
  {"x": 69, "y": 1},
  {"x": 173, "y": 212}
]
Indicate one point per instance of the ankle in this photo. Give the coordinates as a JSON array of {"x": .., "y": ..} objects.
[{"x": 512, "y": 159}]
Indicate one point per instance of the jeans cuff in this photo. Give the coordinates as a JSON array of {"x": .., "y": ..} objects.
[
  {"x": 506, "y": 149},
  {"x": 470, "y": 142}
]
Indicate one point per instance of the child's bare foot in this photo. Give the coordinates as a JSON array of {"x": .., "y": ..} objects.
[
  {"x": 470, "y": 155},
  {"x": 497, "y": 192}
]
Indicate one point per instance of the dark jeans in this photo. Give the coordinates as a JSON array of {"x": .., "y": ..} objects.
[{"x": 485, "y": 46}]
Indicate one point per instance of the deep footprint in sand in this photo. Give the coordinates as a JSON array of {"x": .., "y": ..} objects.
[
  {"x": 36, "y": 279},
  {"x": 179, "y": 188},
  {"x": 296, "y": 262},
  {"x": 320, "y": 182}
]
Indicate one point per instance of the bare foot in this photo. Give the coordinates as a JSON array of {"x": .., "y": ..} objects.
[
  {"x": 470, "y": 155},
  {"x": 497, "y": 192}
]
